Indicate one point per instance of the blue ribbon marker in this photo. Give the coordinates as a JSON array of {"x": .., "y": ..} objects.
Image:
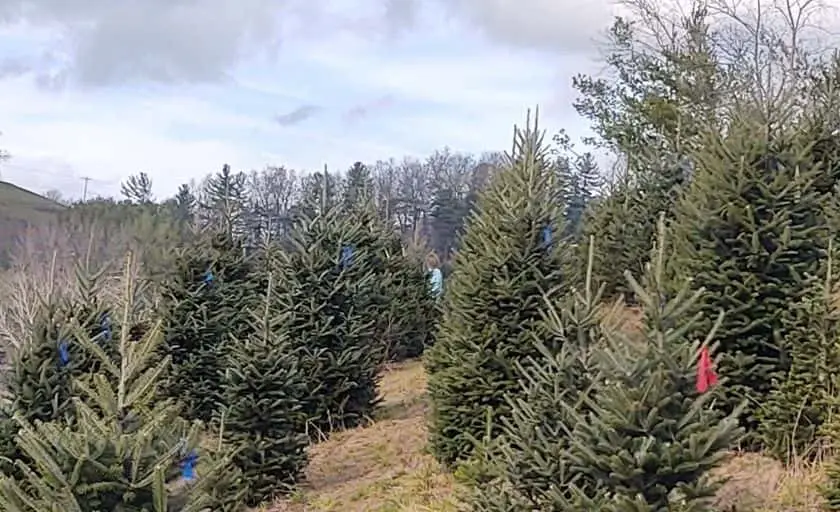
[
  {"x": 188, "y": 466},
  {"x": 346, "y": 256},
  {"x": 63, "y": 353},
  {"x": 546, "y": 236},
  {"x": 105, "y": 326}
]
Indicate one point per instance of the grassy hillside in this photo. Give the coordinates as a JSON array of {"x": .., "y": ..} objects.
[
  {"x": 19, "y": 208},
  {"x": 384, "y": 467}
]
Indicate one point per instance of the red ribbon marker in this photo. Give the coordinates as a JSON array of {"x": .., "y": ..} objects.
[{"x": 706, "y": 375}]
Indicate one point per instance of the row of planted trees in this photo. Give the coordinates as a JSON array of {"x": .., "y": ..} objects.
[
  {"x": 543, "y": 399},
  {"x": 202, "y": 390}
]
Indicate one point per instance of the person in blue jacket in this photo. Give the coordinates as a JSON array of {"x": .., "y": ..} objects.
[{"x": 435, "y": 275}]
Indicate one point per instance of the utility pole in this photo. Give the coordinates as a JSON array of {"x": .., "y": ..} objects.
[
  {"x": 84, "y": 190},
  {"x": 3, "y": 157}
]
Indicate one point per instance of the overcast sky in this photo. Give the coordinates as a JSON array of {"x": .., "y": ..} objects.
[{"x": 176, "y": 88}]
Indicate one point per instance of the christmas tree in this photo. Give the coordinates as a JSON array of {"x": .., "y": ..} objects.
[
  {"x": 648, "y": 436},
  {"x": 38, "y": 384},
  {"x": 621, "y": 241},
  {"x": 127, "y": 451},
  {"x": 802, "y": 404},
  {"x": 326, "y": 275},
  {"x": 412, "y": 310},
  {"x": 264, "y": 395},
  {"x": 205, "y": 303},
  {"x": 398, "y": 302},
  {"x": 624, "y": 220},
  {"x": 373, "y": 249},
  {"x": 748, "y": 230},
  {"x": 508, "y": 264},
  {"x": 527, "y": 464}
]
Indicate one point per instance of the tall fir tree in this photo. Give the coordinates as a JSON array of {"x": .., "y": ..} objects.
[
  {"x": 327, "y": 275},
  {"x": 222, "y": 204},
  {"x": 127, "y": 447},
  {"x": 511, "y": 257},
  {"x": 649, "y": 437},
  {"x": 748, "y": 231},
  {"x": 412, "y": 311},
  {"x": 265, "y": 390},
  {"x": 184, "y": 205},
  {"x": 615, "y": 219},
  {"x": 137, "y": 189},
  {"x": 527, "y": 466},
  {"x": 398, "y": 302},
  {"x": 204, "y": 304},
  {"x": 358, "y": 188},
  {"x": 624, "y": 220},
  {"x": 796, "y": 421}
]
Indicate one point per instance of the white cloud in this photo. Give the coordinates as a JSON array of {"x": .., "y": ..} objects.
[
  {"x": 473, "y": 97},
  {"x": 56, "y": 139},
  {"x": 481, "y": 80},
  {"x": 559, "y": 25},
  {"x": 106, "y": 42},
  {"x": 432, "y": 83}
]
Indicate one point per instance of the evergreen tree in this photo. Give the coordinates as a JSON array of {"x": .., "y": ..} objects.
[
  {"x": 649, "y": 437},
  {"x": 374, "y": 247},
  {"x": 326, "y": 274},
  {"x": 584, "y": 181},
  {"x": 38, "y": 384},
  {"x": 204, "y": 304},
  {"x": 319, "y": 191},
  {"x": 264, "y": 393},
  {"x": 137, "y": 189},
  {"x": 748, "y": 230},
  {"x": 449, "y": 209},
  {"x": 223, "y": 201},
  {"x": 527, "y": 466},
  {"x": 184, "y": 205},
  {"x": 126, "y": 448},
  {"x": 615, "y": 220},
  {"x": 802, "y": 404},
  {"x": 359, "y": 186},
  {"x": 398, "y": 302},
  {"x": 624, "y": 221},
  {"x": 412, "y": 310},
  {"x": 510, "y": 258}
]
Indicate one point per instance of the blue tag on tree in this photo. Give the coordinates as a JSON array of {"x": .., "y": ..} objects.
[
  {"x": 346, "y": 256},
  {"x": 188, "y": 466},
  {"x": 546, "y": 236},
  {"x": 105, "y": 326},
  {"x": 63, "y": 353}
]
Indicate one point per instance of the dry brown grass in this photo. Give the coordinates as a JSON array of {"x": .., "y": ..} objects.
[{"x": 760, "y": 484}]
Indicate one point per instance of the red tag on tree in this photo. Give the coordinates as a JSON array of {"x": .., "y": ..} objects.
[{"x": 706, "y": 375}]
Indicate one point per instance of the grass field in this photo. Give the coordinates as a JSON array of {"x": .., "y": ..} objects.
[{"x": 384, "y": 467}]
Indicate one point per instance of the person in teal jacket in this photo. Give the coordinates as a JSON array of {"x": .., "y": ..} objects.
[{"x": 435, "y": 275}]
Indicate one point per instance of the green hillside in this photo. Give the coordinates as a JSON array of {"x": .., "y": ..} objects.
[{"x": 20, "y": 208}]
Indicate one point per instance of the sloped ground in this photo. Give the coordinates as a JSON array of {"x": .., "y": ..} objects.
[{"x": 384, "y": 467}]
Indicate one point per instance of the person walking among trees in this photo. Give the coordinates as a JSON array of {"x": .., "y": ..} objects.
[{"x": 435, "y": 275}]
